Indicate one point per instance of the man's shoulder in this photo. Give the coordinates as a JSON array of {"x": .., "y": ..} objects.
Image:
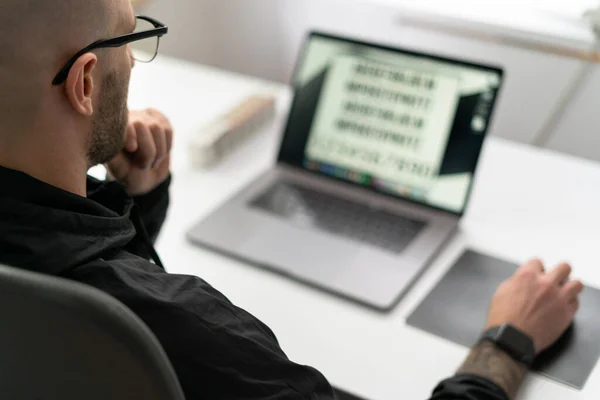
[
  {"x": 171, "y": 303},
  {"x": 128, "y": 275}
]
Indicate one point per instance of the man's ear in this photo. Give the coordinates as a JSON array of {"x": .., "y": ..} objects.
[{"x": 79, "y": 85}]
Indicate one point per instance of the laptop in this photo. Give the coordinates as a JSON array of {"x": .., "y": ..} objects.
[{"x": 374, "y": 172}]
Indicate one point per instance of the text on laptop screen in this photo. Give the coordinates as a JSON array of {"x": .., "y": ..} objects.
[{"x": 406, "y": 124}]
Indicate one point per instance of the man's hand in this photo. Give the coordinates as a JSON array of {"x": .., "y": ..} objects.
[
  {"x": 539, "y": 304},
  {"x": 145, "y": 162}
]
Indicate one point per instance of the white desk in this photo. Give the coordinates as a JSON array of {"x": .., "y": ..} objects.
[{"x": 526, "y": 203}]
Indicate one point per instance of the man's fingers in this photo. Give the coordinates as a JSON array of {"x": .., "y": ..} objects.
[
  {"x": 533, "y": 266},
  {"x": 119, "y": 166},
  {"x": 131, "y": 144},
  {"x": 149, "y": 138},
  {"x": 160, "y": 142},
  {"x": 169, "y": 136},
  {"x": 159, "y": 116},
  {"x": 154, "y": 112},
  {"x": 574, "y": 306},
  {"x": 561, "y": 273},
  {"x": 165, "y": 125},
  {"x": 573, "y": 289},
  {"x": 146, "y": 152}
]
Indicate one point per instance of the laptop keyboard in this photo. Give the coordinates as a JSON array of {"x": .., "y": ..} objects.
[{"x": 342, "y": 217}]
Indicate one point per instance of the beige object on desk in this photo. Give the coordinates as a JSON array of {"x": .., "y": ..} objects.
[{"x": 225, "y": 134}]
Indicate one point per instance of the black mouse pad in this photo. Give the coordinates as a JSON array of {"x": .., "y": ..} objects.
[{"x": 457, "y": 307}]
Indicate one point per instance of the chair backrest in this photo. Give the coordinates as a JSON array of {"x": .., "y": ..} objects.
[{"x": 61, "y": 340}]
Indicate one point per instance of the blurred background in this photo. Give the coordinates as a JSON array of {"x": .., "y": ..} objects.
[{"x": 546, "y": 47}]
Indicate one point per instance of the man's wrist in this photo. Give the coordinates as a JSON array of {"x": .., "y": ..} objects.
[
  {"x": 138, "y": 190},
  {"x": 490, "y": 362}
]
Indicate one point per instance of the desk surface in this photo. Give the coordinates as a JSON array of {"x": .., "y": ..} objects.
[{"x": 526, "y": 202}]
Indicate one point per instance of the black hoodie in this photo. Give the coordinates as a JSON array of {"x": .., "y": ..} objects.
[
  {"x": 105, "y": 240},
  {"x": 218, "y": 350}
]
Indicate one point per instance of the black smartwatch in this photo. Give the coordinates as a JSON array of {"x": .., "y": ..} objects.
[{"x": 512, "y": 341}]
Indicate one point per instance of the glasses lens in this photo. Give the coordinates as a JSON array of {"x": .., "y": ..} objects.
[{"x": 145, "y": 50}]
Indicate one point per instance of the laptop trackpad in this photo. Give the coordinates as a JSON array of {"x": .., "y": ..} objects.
[{"x": 300, "y": 252}]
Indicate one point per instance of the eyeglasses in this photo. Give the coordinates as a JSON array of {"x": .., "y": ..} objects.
[{"x": 147, "y": 34}]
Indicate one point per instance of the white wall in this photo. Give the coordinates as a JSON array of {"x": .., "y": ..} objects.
[
  {"x": 579, "y": 131},
  {"x": 240, "y": 35},
  {"x": 263, "y": 37}
]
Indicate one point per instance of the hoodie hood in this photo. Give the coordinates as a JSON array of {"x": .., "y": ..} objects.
[{"x": 48, "y": 230}]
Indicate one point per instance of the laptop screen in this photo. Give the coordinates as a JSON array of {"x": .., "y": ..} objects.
[{"x": 406, "y": 124}]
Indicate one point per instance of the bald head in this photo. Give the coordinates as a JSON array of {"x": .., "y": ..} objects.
[
  {"x": 56, "y": 132},
  {"x": 43, "y": 25},
  {"x": 37, "y": 37}
]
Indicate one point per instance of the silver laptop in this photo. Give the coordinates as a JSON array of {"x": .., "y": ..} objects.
[{"x": 374, "y": 172}]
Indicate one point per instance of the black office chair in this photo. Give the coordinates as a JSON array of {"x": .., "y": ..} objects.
[{"x": 61, "y": 340}]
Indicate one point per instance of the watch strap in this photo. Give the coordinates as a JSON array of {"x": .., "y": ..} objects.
[{"x": 515, "y": 343}]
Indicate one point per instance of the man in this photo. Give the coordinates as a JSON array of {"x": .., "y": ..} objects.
[{"x": 55, "y": 220}]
